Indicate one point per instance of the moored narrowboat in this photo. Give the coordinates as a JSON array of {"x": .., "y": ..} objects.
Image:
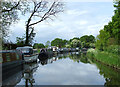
[
  {"x": 30, "y": 55},
  {"x": 10, "y": 59}
]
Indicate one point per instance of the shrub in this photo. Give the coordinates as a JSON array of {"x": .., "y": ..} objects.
[{"x": 113, "y": 49}]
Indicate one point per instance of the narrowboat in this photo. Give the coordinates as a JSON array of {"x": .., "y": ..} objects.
[
  {"x": 30, "y": 55},
  {"x": 45, "y": 53},
  {"x": 63, "y": 50},
  {"x": 10, "y": 59}
]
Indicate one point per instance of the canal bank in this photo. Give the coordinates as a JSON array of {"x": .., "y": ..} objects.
[
  {"x": 111, "y": 75},
  {"x": 108, "y": 59}
]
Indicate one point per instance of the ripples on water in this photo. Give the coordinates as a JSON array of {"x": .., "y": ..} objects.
[{"x": 63, "y": 69}]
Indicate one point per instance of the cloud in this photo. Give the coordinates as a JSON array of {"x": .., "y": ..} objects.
[
  {"x": 81, "y": 22},
  {"x": 76, "y": 12},
  {"x": 65, "y": 76},
  {"x": 78, "y": 20},
  {"x": 88, "y": 0}
]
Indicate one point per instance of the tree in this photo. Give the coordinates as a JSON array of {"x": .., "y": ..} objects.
[
  {"x": 57, "y": 42},
  {"x": 76, "y": 43},
  {"x": 86, "y": 38},
  {"x": 87, "y": 41},
  {"x": 102, "y": 40},
  {"x": 116, "y": 22},
  {"x": 110, "y": 35},
  {"x": 74, "y": 38},
  {"x": 20, "y": 41},
  {"x": 42, "y": 10},
  {"x": 38, "y": 45},
  {"x": 9, "y": 14},
  {"x": 47, "y": 44}
]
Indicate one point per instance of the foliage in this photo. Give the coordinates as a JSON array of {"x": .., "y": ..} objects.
[
  {"x": 75, "y": 43},
  {"x": 47, "y": 44},
  {"x": 58, "y": 42},
  {"x": 9, "y": 14},
  {"x": 102, "y": 40},
  {"x": 74, "y": 38},
  {"x": 20, "y": 41},
  {"x": 82, "y": 42},
  {"x": 87, "y": 41},
  {"x": 38, "y": 46},
  {"x": 68, "y": 46},
  {"x": 113, "y": 49},
  {"x": 110, "y": 35}
]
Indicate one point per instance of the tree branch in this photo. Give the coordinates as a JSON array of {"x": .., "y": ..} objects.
[
  {"x": 44, "y": 16},
  {"x": 14, "y": 7}
]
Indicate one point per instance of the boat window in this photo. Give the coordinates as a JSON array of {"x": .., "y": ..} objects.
[
  {"x": 25, "y": 50},
  {"x": 8, "y": 57},
  {"x": 1, "y": 58},
  {"x": 17, "y": 56}
]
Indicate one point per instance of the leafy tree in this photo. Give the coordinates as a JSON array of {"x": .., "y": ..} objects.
[
  {"x": 77, "y": 38},
  {"x": 91, "y": 39},
  {"x": 76, "y": 43},
  {"x": 9, "y": 14},
  {"x": 68, "y": 46},
  {"x": 110, "y": 35},
  {"x": 86, "y": 41},
  {"x": 86, "y": 38},
  {"x": 20, "y": 41},
  {"x": 38, "y": 45},
  {"x": 57, "y": 42},
  {"x": 47, "y": 44}
]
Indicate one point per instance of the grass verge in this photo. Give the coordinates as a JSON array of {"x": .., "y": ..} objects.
[{"x": 106, "y": 58}]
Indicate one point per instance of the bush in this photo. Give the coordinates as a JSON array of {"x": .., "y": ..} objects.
[{"x": 113, "y": 49}]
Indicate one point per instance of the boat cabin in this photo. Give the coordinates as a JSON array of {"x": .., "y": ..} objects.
[{"x": 27, "y": 50}]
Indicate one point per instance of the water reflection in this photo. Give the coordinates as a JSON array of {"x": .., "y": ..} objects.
[
  {"x": 112, "y": 77},
  {"x": 29, "y": 69},
  {"x": 12, "y": 76},
  {"x": 63, "y": 69}
]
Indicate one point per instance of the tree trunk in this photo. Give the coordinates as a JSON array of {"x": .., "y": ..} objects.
[{"x": 27, "y": 37}]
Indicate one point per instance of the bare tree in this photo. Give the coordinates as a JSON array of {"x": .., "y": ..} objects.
[{"x": 42, "y": 10}]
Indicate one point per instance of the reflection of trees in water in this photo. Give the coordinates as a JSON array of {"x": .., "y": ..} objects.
[
  {"x": 79, "y": 57},
  {"x": 112, "y": 77},
  {"x": 29, "y": 69},
  {"x": 75, "y": 56}
]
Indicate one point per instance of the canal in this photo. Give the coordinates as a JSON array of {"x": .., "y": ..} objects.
[{"x": 63, "y": 69}]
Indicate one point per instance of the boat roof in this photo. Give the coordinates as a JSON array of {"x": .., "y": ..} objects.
[
  {"x": 24, "y": 47},
  {"x": 7, "y": 51}
]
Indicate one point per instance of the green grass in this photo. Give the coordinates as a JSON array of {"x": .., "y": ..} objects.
[{"x": 105, "y": 57}]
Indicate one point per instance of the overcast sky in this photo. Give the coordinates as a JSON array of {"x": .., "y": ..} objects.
[{"x": 80, "y": 18}]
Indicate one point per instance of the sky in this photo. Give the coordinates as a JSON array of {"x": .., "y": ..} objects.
[{"x": 79, "y": 18}]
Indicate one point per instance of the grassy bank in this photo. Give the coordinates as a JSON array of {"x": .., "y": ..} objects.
[
  {"x": 106, "y": 58},
  {"x": 111, "y": 76}
]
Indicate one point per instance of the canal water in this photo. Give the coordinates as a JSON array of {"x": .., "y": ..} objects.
[{"x": 64, "y": 69}]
